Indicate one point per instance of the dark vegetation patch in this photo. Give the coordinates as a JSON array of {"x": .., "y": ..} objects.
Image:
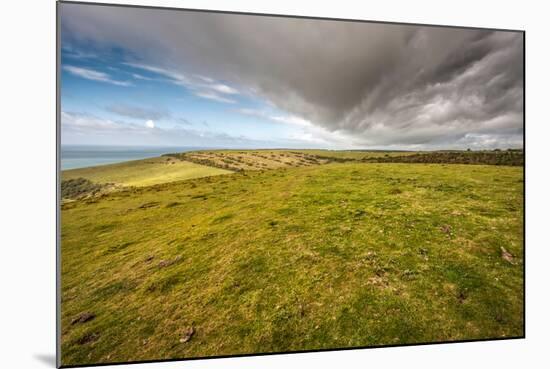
[
  {"x": 119, "y": 246},
  {"x": 88, "y": 338},
  {"x": 147, "y": 205},
  {"x": 387, "y": 204},
  {"x": 286, "y": 211},
  {"x": 173, "y": 204},
  {"x": 359, "y": 213},
  {"x": 115, "y": 288},
  {"x": 222, "y": 218},
  {"x": 508, "y": 157},
  {"x": 79, "y": 188},
  {"x": 164, "y": 284},
  {"x": 105, "y": 227}
]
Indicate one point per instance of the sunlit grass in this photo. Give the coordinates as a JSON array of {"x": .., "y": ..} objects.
[
  {"x": 144, "y": 172},
  {"x": 321, "y": 256}
]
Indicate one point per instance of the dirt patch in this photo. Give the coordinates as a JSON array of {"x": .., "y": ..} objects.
[{"x": 83, "y": 318}]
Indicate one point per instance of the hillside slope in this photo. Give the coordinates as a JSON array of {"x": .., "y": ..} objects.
[
  {"x": 311, "y": 257},
  {"x": 144, "y": 172}
]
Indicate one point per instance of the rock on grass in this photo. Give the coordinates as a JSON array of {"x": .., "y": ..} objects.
[
  {"x": 506, "y": 255},
  {"x": 83, "y": 318},
  {"x": 186, "y": 337}
]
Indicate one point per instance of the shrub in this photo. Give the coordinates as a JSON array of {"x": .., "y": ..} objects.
[{"x": 81, "y": 187}]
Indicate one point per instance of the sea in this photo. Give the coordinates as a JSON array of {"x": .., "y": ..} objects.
[{"x": 82, "y": 156}]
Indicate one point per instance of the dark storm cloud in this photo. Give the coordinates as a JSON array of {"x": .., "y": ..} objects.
[{"x": 382, "y": 85}]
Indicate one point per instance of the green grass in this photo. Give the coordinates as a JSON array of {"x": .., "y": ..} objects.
[
  {"x": 354, "y": 154},
  {"x": 144, "y": 172},
  {"x": 313, "y": 257},
  {"x": 249, "y": 160}
]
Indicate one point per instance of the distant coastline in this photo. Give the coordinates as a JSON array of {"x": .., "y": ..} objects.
[{"x": 82, "y": 156}]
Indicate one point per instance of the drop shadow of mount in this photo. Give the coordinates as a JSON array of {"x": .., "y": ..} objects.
[{"x": 48, "y": 359}]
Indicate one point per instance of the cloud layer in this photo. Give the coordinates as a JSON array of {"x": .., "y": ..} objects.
[
  {"x": 94, "y": 75},
  {"x": 379, "y": 85},
  {"x": 107, "y": 132}
]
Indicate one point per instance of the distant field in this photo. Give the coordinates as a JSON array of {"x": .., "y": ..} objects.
[
  {"x": 246, "y": 160},
  {"x": 144, "y": 172},
  {"x": 298, "y": 257},
  {"x": 196, "y": 164},
  {"x": 356, "y": 154}
]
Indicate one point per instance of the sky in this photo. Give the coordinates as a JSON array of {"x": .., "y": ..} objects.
[{"x": 135, "y": 76}]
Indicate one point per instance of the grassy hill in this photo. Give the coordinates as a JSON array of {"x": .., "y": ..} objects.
[
  {"x": 247, "y": 160},
  {"x": 144, "y": 172},
  {"x": 292, "y": 258}
]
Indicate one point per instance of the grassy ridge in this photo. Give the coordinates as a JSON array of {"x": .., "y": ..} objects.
[
  {"x": 144, "y": 172},
  {"x": 241, "y": 160},
  {"x": 295, "y": 258},
  {"x": 238, "y": 160}
]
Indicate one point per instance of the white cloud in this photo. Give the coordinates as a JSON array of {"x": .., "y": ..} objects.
[
  {"x": 139, "y": 76},
  {"x": 94, "y": 75},
  {"x": 85, "y": 128},
  {"x": 73, "y": 53},
  {"x": 204, "y": 78},
  {"x": 305, "y": 132},
  {"x": 285, "y": 119},
  {"x": 201, "y": 86},
  {"x": 291, "y": 119},
  {"x": 82, "y": 122},
  {"x": 214, "y": 96},
  {"x": 150, "y": 124},
  {"x": 224, "y": 89},
  {"x": 174, "y": 77}
]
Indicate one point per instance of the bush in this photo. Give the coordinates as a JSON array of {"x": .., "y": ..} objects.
[
  {"x": 512, "y": 158},
  {"x": 80, "y": 187}
]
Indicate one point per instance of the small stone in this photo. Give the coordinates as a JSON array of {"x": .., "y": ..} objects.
[
  {"x": 506, "y": 255},
  {"x": 83, "y": 318},
  {"x": 189, "y": 332},
  {"x": 163, "y": 263}
]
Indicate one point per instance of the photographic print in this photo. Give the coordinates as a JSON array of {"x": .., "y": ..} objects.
[{"x": 240, "y": 184}]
